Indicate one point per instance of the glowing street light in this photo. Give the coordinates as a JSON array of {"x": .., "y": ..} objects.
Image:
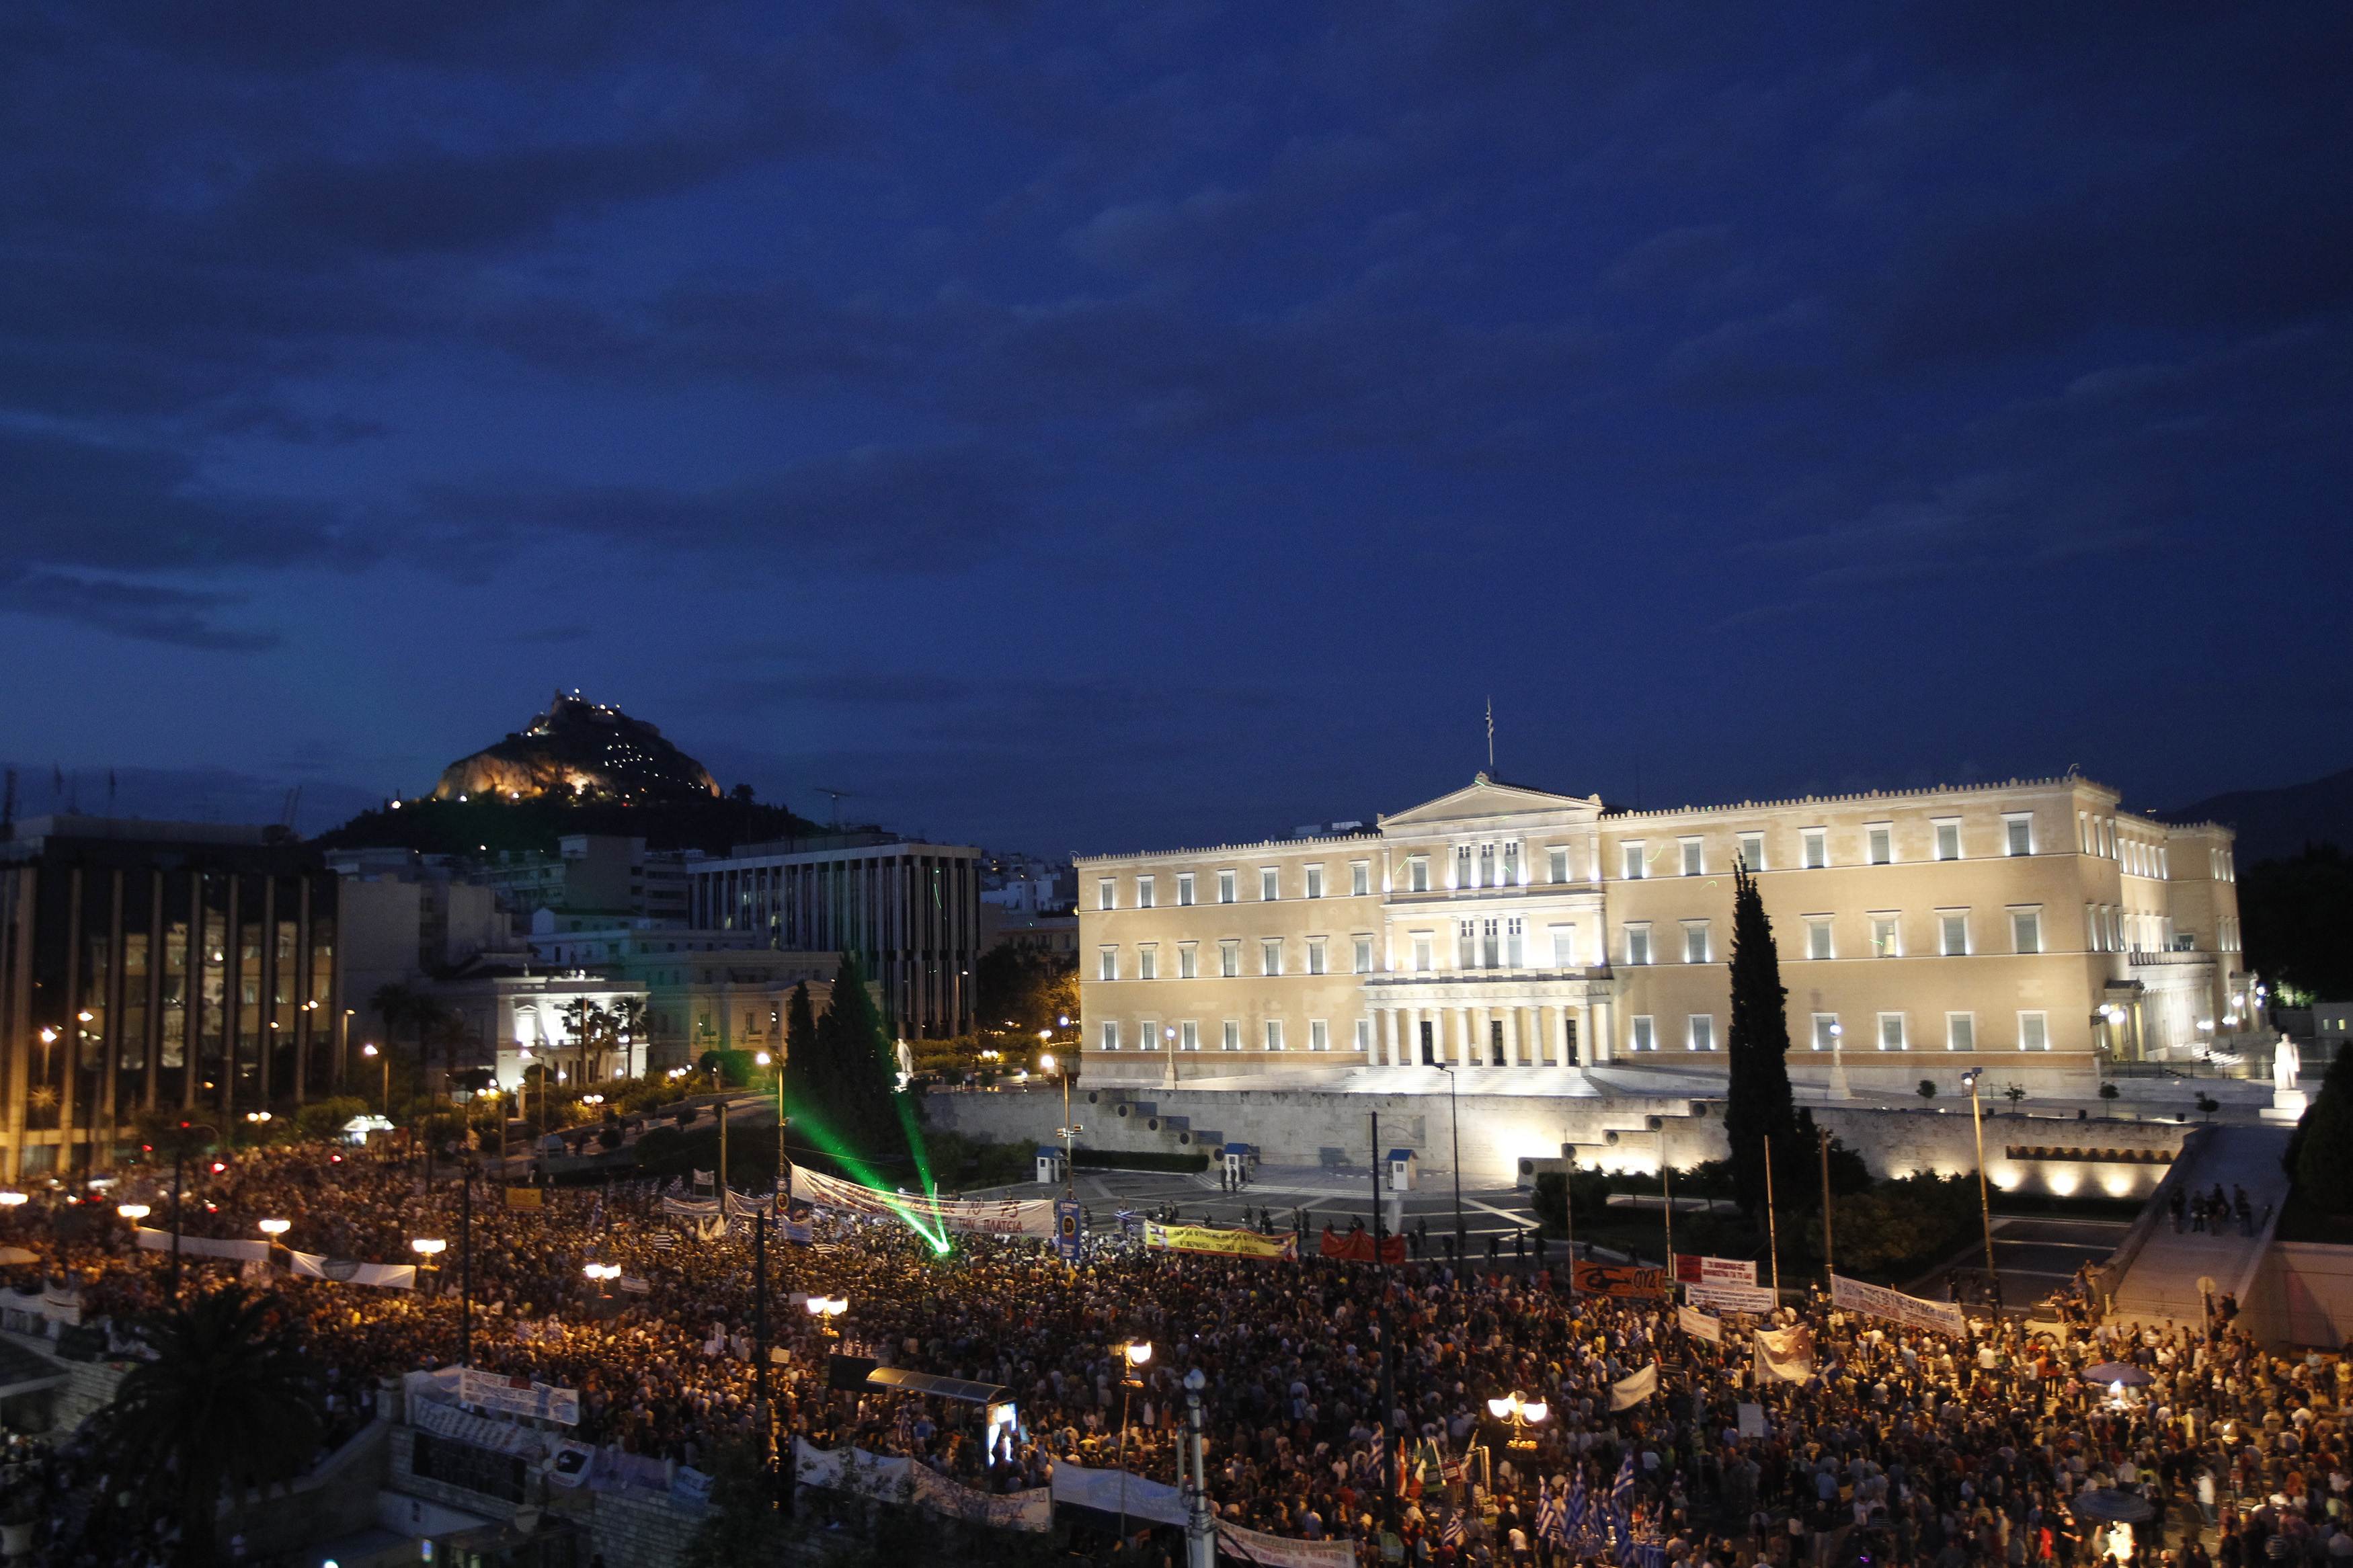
[
  {"x": 12, "y": 1199},
  {"x": 601, "y": 1271},
  {"x": 134, "y": 1213},
  {"x": 1521, "y": 1413},
  {"x": 1138, "y": 1352},
  {"x": 274, "y": 1228},
  {"x": 428, "y": 1247}
]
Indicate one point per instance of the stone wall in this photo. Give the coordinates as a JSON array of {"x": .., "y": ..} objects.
[
  {"x": 646, "y": 1529},
  {"x": 2304, "y": 1295}
]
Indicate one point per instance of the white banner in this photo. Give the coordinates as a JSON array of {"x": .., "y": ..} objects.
[
  {"x": 1031, "y": 1511},
  {"x": 56, "y": 1304},
  {"x": 1752, "y": 1421},
  {"x": 1634, "y": 1388},
  {"x": 204, "y": 1245},
  {"x": 1785, "y": 1354},
  {"x": 1696, "y": 1270},
  {"x": 519, "y": 1396},
  {"x": 971, "y": 1215},
  {"x": 1240, "y": 1545},
  {"x": 1699, "y": 1325},
  {"x": 1753, "y": 1300},
  {"x": 1877, "y": 1301},
  {"x": 465, "y": 1427},
  {"x": 1156, "y": 1501},
  {"x": 344, "y": 1271}
]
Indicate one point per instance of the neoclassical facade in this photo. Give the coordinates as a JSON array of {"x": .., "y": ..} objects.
[{"x": 1502, "y": 927}]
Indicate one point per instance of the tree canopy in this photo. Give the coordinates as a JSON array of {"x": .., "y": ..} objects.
[{"x": 1757, "y": 1101}]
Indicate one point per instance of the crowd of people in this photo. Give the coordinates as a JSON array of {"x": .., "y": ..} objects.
[{"x": 1344, "y": 1401}]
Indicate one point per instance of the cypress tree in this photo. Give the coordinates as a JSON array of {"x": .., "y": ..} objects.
[
  {"x": 858, "y": 1071},
  {"x": 800, "y": 1051},
  {"x": 1757, "y": 1101}
]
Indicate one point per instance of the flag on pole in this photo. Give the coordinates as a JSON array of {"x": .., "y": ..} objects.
[
  {"x": 1552, "y": 1518},
  {"x": 1621, "y": 1489},
  {"x": 1452, "y": 1534}
]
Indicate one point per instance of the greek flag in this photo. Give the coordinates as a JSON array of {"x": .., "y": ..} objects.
[
  {"x": 1381, "y": 1456},
  {"x": 1551, "y": 1519},
  {"x": 1621, "y": 1490},
  {"x": 1577, "y": 1502},
  {"x": 1452, "y": 1534}
]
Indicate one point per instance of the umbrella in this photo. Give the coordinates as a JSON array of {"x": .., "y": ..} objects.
[
  {"x": 2109, "y": 1371},
  {"x": 2117, "y": 1507}
]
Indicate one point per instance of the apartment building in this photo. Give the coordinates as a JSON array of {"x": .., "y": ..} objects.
[{"x": 1502, "y": 926}]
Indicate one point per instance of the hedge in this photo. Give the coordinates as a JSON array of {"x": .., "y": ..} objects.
[{"x": 1122, "y": 1160}]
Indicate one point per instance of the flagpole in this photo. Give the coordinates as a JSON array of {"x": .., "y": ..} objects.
[
  {"x": 1828, "y": 1268},
  {"x": 1772, "y": 1229}
]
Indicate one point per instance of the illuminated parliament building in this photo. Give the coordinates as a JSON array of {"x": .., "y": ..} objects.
[{"x": 2030, "y": 925}]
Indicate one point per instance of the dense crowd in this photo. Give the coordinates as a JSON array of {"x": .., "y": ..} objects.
[{"x": 1341, "y": 1399}]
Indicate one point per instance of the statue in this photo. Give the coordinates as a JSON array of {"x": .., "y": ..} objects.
[{"x": 2285, "y": 1064}]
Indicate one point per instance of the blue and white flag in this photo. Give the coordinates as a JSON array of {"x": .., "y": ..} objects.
[
  {"x": 1551, "y": 1519},
  {"x": 1452, "y": 1534},
  {"x": 1621, "y": 1489}
]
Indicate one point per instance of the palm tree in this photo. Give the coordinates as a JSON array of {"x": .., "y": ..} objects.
[
  {"x": 229, "y": 1400},
  {"x": 631, "y": 1022}
]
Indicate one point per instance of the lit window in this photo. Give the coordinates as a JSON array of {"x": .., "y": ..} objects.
[
  {"x": 2018, "y": 833},
  {"x": 1270, "y": 955},
  {"x": 1110, "y": 1035},
  {"x": 1638, "y": 944},
  {"x": 1645, "y": 1038},
  {"x": 1362, "y": 956},
  {"x": 1274, "y": 1034},
  {"x": 1511, "y": 863},
  {"x": 1948, "y": 839},
  {"x": 1232, "y": 1040},
  {"x": 1694, "y": 858},
  {"x": 1953, "y": 927},
  {"x": 1960, "y": 1031},
  {"x": 1110, "y": 964},
  {"x": 1818, "y": 936},
  {"x": 1106, "y": 894},
  {"x": 1564, "y": 947},
  {"x": 1695, "y": 941},
  {"x": 1417, "y": 874},
  {"x": 1632, "y": 861},
  {"x": 1816, "y": 842},
  {"x": 1270, "y": 883},
  {"x": 2026, "y": 931},
  {"x": 1225, "y": 887},
  {"x": 1147, "y": 1035},
  {"x": 1890, "y": 1032},
  {"x": 1230, "y": 960},
  {"x": 1147, "y": 961},
  {"x": 1887, "y": 939},
  {"x": 1144, "y": 892},
  {"x": 1188, "y": 961},
  {"x": 1363, "y": 1034},
  {"x": 1701, "y": 1035},
  {"x": 1826, "y": 1031},
  {"x": 1319, "y": 1035},
  {"x": 1189, "y": 1035},
  {"x": 1752, "y": 851},
  {"x": 1315, "y": 955},
  {"x": 1557, "y": 864},
  {"x": 1360, "y": 878},
  {"x": 1315, "y": 881},
  {"x": 2034, "y": 1032},
  {"x": 1463, "y": 868},
  {"x": 1185, "y": 889},
  {"x": 1880, "y": 840}
]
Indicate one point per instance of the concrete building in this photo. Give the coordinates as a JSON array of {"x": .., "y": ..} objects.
[
  {"x": 704, "y": 990},
  {"x": 408, "y": 917},
  {"x": 594, "y": 873},
  {"x": 2032, "y": 923},
  {"x": 910, "y": 910},
  {"x": 158, "y": 964}
]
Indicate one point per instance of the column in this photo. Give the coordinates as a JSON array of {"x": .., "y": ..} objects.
[
  {"x": 1602, "y": 1047},
  {"x": 1462, "y": 1036},
  {"x": 1384, "y": 1038},
  {"x": 1547, "y": 1033},
  {"x": 1513, "y": 1038}
]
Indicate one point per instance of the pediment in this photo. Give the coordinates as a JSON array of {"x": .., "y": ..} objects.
[{"x": 1484, "y": 798}]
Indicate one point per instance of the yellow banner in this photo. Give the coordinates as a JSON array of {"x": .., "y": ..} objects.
[
  {"x": 1226, "y": 1243},
  {"x": 523, "y": 1198}
]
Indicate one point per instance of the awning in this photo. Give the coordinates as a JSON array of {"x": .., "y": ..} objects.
[{"x": 902, "y": 1381}]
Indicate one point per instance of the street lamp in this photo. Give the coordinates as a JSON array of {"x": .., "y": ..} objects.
[
  {"x": 369, "y": 1050},
  {"x": 14, "y": 1199},
  {"x": 1522, "y": 1414},
  {"x": 825, "y": 1310},
  {"x": 274, "y": 1228},
  {"x": 134, "y": 1213},
  {"x": 1985, "y": 1204},
  {"x": 428, "y": 1250},
  {"x": 1454, "y": 1126},
  {"x": 1136, "y": 1353}
]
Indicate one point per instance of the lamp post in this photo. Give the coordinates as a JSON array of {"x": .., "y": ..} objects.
[
  {"x": 1522, "y": 1414},
  {"x": 1136, "y": 1353},
  {"x": 428, "y": 1250},
  {"x": 134, "y": 1213},
  {"x": 384, "y": 1100},
  {"x": 182, "y": 1136},
  {"x": 1454, "y": 1130},
  {"x": 1069, "y": 1130},
  {"x": 783, "y": 1121},
  {"x": 602, "y": 1276},
  {"x": 1201, "y": 1531},
  {"x": 1985, "y": 1204},
  {"x": 825, "y": 1310}
]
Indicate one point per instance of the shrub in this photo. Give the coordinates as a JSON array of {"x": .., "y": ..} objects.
[
  {"x": 1927, "y": 1090},
  {"x": 1138, "y": 1160}
]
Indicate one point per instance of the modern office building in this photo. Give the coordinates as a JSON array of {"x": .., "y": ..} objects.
[
  {"x": 910, "y": 910},
  {"x": 158, "y": 964},
  {"x": 1501, "y": 926}
]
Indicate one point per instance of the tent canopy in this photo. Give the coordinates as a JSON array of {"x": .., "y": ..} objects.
[{"x": 901, "y": 1380}]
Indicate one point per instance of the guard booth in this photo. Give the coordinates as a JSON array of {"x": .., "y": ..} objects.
[
  {"x": 1241, "y": 1163},
  {"x": 1051, "y": 1168},
  {"x": 1401, "y": 1163}
]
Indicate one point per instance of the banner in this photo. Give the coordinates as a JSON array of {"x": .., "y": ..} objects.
[
  {"x": 1223, "y": 1243},
  {"x": 1634, "y": 1388},
  {"x": 480, "y": 1431},
  {"x": 1878, "y": 1301},
  {"x": 1785, "y": 1354},
  {"x": 204, "y": 1245},
  {"x": 1699, "y": 1325},
  {"x": 894, "y": 1480},
  {"x": 519, "y": 1396},
  {"x": 1237, "y": 1544},
  {"x": 1156, "y": 1502},
  {"x": 56, "y": 1304},
  {"x": 1357, "y": 1247},
  {"x": 1624, "y": 1280},
  {"x": 1752, "y": 1421},
  {"x": 345, "y": 1271},
  {"x": 971, "y": 1215},
  {"x": 689, "y": 1205},
  {"x": 1068, "y": 1240},
  {"x": 524, "y": 1199},
  {"x": 1692, "y": 1270},
  {"x": 1755, "y": 1299},
  {"x": 1031, "y": 1511}
]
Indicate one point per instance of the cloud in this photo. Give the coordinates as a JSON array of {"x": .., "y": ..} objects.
[{"x": 178, "y": 616}]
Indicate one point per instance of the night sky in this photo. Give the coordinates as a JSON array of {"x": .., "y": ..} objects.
[{"x": 1107, "y": 426}]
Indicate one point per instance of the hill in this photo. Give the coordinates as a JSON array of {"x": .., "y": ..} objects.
[
  {"x": 2275, "y": 823},
  {"x": 476, "y": 827}
]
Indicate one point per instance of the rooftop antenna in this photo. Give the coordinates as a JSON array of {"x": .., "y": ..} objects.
[
  {"x": 838, "y": 796},
  {"x": 1490, "y": 737},
  {"x": 286, "y": 812}
]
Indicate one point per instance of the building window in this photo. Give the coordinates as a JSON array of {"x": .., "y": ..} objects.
[
  {"x": 1815, "y": 843},
  {"x": 1514, "y": 944},
  {"x": 2034, "y": 1032},
  {"x": 1645, "y": 1038},
  {"x": 1109, "y": 969},
  {"x": 1417, "y": 874},
  {"x": 1319, "y": 1035},
  {"x": 1147, "y": 961},
  {"x": 1880, "y": 843},
  {"x": 1638, "y": 944},
  {"x": 1512, "y": 878},
  {"x": 1270, "y": 955},
  {"x": 2018, "y": 833},
  {"x": 1185, "y": 889},
  {"x": 1270, "y": 883},
  {"x": 1147, "y": 1035},
  {"x": 1232, "y": 1038},
  {"x": 1421, "y": 953},
  {"x": 1144, "y": 892},
  {"x": 1826, "y": 1031},
  {"x": 1490, "y": 955},
  {"x": 1189, "y": 1035},
  {"x": 1315, "y": 881},
  {"x": 1949, "y": 837},
  {"x": 1360, "y": 878},
  {"x": 1695, "y": 941},
  {"x": 1315, "y": 955},
  {"x": 1564, "y": 947},
  {"x": 2026, "y": 930},
  {"x": 1361, "y": 959},
  {"x": 1960, "y": 1031},
  {"x": 1818, "y": 936},
  {"x": 1890, "y": 1032},
  {"x": 1953, "y": 933},
  {"x": 1886, "y": 937},
  {"x": 1225, "y": 887},
  {"x": 1752, "y": 851},
  {"x": 1701, "y": 1032},
  {"x": 1695, "y": 857},
  {"x": 1274, "y": 1034},
  {"x": 1188, "y": 960},
  {"x": 1111, "y": 1034},
  {"x": 1557, "y": 864},
  {"x": 1106, "y": 894},
  {"x": 1230, "y": 960},
  {"x": 1632, "y": 860},
  {"x": 1363, "y": 1035},
  {"x": 1462, "y": 869},
  {"x": 1486, "y": 872}
]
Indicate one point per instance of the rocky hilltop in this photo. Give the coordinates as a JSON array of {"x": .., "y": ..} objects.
[{"x": 581, "y": 751}]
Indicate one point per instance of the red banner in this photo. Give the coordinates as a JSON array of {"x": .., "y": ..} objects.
[{"x": 1357, "y": 1247}]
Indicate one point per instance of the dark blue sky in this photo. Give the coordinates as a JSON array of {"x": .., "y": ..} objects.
[{"x": 1095, "y": 427}]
